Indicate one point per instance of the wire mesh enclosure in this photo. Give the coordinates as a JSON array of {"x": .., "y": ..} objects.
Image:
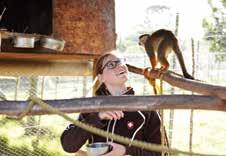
[{"x": 40, "y": 135}]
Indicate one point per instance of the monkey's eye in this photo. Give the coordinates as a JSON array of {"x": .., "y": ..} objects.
[{"x": 113, "y": 64}]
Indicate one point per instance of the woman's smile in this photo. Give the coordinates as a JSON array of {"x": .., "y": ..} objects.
[{"x": 122, "y": 73}]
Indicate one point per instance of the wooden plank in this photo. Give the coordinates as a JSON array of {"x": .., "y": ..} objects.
[
  {"x": 45, "y": 56},
  {"x": 45, "y": 68},
  {"x": 125, "y": 103}
]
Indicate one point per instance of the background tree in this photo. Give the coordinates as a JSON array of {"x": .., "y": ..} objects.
[
  {"x": 157, "y": 17},
  {"x": 215, "y": 26}
]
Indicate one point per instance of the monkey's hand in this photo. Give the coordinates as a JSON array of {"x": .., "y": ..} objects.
[
  {"x": 149, "y": 76},
  {"x": 151, "y": 73},
  {"x": 146, "y": 72}
]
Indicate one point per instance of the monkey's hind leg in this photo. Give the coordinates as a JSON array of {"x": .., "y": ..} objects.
[
  {"x": 164, "y": 66},
  {"x": 163, "y": 50}
]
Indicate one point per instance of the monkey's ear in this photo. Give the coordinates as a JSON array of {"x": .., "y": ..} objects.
[
  {"x": 142, "y": 40},
  {"x": 144, "y": 35}
]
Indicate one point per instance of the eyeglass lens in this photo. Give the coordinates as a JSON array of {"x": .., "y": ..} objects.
[{"x": 113, "y": 64}]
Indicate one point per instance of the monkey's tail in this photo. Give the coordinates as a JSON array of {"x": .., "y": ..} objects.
[
  {"x": 156, "y": 87},
  {"x": 181, "y": 60}
]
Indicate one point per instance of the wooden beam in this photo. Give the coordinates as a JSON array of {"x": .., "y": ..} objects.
[
  {"x": 45, "y": 68},
  {"x": 46, "y": 56},
  {"x": 187, "y": 84},
  {"x": 126, "y": 103}
]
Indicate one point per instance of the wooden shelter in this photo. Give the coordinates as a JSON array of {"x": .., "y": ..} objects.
[{"x": 88, "y": 27}]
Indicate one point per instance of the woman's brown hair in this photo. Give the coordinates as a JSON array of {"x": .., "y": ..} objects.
[
  {"x": 99, "y": 70},
  {"x": 99, "y": 64}
]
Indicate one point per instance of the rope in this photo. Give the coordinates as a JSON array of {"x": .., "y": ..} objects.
[
  {"x": 26, "y": 111},
  {"x": 94, "y": 130}
]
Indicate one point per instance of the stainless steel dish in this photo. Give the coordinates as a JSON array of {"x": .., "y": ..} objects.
[
  {"x": 98, "y": 148},
  {"x": 52, "y": 43},
  {"x": 23, "y": 42}
]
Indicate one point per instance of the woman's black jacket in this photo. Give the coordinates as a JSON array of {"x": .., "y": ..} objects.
[{"x": 73, "y": 137}]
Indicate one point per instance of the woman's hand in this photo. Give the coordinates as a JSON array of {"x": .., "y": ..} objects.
[
  {"x": 111, "y": 115},
  {"x": 117, "y": 150}
]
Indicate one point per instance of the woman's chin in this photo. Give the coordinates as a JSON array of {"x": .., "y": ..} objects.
[
  {"x": 125, "y": 75},
  {"x": 123, "y": 78}
]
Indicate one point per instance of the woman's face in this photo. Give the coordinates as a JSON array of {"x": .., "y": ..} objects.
[{"x": 115, "y": 71}]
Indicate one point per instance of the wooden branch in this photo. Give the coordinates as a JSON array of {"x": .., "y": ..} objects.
[
  {"x": 187, "y": 84},
  {"x": 126, "y": 103}
]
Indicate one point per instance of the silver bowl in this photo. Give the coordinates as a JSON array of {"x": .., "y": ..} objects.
[
  {"x": 23, "y": 42},
  {"x": 98, "y": 148},
  {"x": 52, "y": 43}
]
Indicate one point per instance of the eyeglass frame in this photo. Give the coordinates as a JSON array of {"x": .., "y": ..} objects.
[{"x": 116, "y": 63}]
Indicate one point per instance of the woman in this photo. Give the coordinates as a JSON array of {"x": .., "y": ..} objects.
[{"x": 145, "y": 126}]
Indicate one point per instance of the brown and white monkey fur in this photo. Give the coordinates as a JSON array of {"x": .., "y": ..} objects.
[{"x": 157, "y": 46}]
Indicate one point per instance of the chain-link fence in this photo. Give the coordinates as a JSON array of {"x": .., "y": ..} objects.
[{"x": 40, "y": 135}]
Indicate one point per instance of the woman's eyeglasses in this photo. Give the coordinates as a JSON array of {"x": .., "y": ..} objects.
[{"x": 113, "y": 64}]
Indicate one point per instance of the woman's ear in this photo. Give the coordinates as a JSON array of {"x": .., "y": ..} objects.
[{"x": 100, "y": 78}]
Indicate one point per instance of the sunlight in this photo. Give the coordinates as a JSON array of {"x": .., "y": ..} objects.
[{"x": 190, "y": 22}]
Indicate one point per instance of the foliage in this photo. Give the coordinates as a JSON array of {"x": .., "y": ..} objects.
[
  {"x": 215, "y": 26},
  {"x": 157, "y": 17}
]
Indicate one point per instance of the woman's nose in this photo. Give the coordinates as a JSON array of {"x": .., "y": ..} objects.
[{"x": 120, "y": 65}]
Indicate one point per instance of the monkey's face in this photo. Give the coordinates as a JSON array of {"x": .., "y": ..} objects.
[{"x": 142, "y": 40}]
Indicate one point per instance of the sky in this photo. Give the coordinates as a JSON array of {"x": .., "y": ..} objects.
[{"x": 130, "y": 13}]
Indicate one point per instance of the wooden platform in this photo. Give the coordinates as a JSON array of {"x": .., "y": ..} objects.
[{"x": 45, "y": 64}]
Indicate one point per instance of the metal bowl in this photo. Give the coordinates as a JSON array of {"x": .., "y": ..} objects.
[
  {"x": 23, "y": 42},
  {"x": 52, "y": 43},
  {"x": 98, "y": 148}
]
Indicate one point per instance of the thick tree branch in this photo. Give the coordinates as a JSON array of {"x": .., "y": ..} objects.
[
  {"x": 187, "y": 84},
  {"x": 126, "y": 103}
]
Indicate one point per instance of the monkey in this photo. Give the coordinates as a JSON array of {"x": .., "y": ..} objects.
[{"x": 158, "y": 46}]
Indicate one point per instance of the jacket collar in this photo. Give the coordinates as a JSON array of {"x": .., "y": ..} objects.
[{"x": 102, "y": 90}]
